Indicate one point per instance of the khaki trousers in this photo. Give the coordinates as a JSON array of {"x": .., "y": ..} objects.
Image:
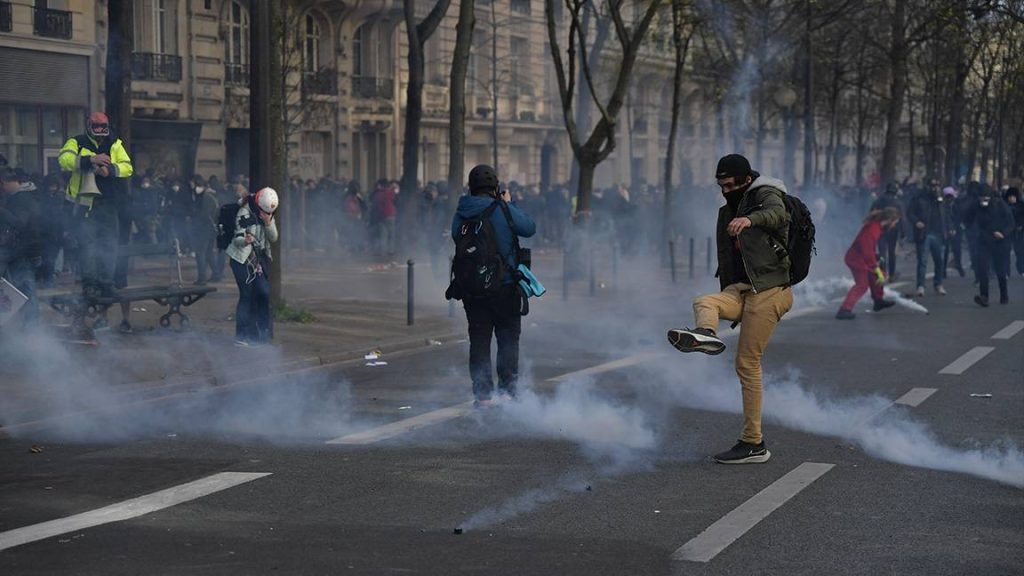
[{"x": 758, "y": 314}]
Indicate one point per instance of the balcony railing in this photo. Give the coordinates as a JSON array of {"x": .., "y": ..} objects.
[
  {"x": 5, "y": 17},
  {"x": 236, "y": 74},
  {"x": 52, "y": 23},
  {"x": 165, "y": 67},
  {"x": 324, "y": 82},
  {"x": 372, "y": 87}
]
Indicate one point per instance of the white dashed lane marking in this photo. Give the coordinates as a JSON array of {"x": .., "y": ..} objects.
[
  {"x": 968, "y": 359},
  {"x": 735, "y": 524},
  {"x": 915, "y": 396},
  {"x": 1010, "y": 331},
  {"x": 128, "y": 509}
]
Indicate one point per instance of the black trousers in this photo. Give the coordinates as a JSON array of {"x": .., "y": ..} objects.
[
  {"x": 994, "y": 254},
  {"x": 499, "y": 316}
]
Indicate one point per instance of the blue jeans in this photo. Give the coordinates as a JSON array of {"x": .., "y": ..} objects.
[
  {"x": 936, "y": 247},
  {"x": 253, "y": 322}
]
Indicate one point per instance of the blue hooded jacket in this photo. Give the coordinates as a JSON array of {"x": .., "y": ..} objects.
[{"x": 522, "y": 225}]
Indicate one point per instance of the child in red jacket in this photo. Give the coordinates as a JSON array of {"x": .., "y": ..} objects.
[{"x": 863, "y": 262}]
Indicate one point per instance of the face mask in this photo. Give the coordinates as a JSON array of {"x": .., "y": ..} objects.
[
  {"x": 146, "y": 184},
  {"x": 200, "y": 189},
  {"x": 984, "y": 202},
  {"x": 175, "y": 188}
]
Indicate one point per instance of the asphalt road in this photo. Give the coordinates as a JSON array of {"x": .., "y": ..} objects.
[{"x": 604, "y": 472}]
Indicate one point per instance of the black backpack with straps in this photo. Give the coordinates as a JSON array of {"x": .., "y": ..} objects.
[
  {"x": 478, "y": 268},
  {"x": 800, "y": 245}
]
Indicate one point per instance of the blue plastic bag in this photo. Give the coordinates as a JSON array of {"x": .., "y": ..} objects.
[{"x": 529, "y": 283}]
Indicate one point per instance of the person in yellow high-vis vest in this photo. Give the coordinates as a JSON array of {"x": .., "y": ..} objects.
[{"x": 99, "y": 167}]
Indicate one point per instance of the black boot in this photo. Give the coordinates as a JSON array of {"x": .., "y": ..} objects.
[
  {"x": 981, "y": 301},
  {"x": 1004, "y": 297},
  {"x": 882, "y": 304}
]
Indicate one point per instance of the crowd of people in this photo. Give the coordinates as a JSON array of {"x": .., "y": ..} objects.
[{"x": 336, "y": 215}]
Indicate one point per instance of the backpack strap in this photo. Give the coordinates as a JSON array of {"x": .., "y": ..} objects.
[{"x": 511, "y": 228}]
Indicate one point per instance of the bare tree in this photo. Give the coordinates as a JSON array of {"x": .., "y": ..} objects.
[
  {"x": 682, "y": 33},
  {"x": 601, "y": 141},
  {"x": 418, "y": 33},
  {"x": 457, "y": 100}
]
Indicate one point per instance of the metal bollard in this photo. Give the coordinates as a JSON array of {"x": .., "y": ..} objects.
[
  {"x": 692, "y": 259},
  {"x": 565, "y": 271},
  {"x": 615, "y": 265},
  {"x": 451, "y": 303},
  {"x": 710, "y": 271},
  {"x": 410, "y": 305},
  {"x": 672, "y": 258},
  {"x": 593, "y": 273}
]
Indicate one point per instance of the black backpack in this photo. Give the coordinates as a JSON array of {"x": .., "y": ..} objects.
[
  {"x": 477, "y": 268},
  {"x": 226, "y": 224},
  {"x": 801, "y": 239}
]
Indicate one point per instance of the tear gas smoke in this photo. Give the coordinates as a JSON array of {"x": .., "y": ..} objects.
[
  {"x": 609, "y": 431},
  {"x": 523, "y": 503},
  {"x": 868, "y": 421},
  {"x": 821, "y": 291},
  {"x": 81, "y": 398}
]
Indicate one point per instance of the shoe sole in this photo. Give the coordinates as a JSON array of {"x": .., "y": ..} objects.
[
  {"x": 687, "y": 342},
  {"x": 758, "y": 459}
]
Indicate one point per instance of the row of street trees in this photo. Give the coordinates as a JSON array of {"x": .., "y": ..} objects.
[{"x": 926, "y": 86}]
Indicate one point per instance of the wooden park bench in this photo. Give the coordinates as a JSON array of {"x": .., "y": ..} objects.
[{"x": 174, "y": 294}]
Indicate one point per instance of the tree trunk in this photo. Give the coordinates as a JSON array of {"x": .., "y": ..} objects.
[
  {"x": 587, "y": 169},
  {"x": 457, "y": 101},
  {"x": 266, "y": 116},
  {"x": 417, "y": 35},
  {"x": 808, "y": 105},
  {"x": 118, "y": 81},
  {"x": 677, "y": 104},
  {"x": 954, "y": 130},
  {"x": 413, "y": 117},
  {"x": 898, "y": 52}
]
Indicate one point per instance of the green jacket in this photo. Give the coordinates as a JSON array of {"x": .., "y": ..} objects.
[{"x": 763, "y": 244}]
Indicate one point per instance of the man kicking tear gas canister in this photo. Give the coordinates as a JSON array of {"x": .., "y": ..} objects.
[{"x": 754, "y": 272}]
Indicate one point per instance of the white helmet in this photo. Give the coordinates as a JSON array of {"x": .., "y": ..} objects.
[{"x": 266, "y": 199}]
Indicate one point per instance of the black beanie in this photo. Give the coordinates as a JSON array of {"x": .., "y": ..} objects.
[{"x": 734, "y": 165}]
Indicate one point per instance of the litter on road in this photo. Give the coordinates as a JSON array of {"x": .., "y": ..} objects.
[
  {"x": 981, "y": 395},
  {"x": 376, "y": 363},
  {"x": 373, "y": 355}
]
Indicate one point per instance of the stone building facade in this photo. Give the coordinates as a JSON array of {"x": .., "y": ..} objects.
[{"x": 345, "y": 71}]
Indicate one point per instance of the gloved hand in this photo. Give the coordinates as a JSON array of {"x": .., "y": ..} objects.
[{"x": 879, "y": 276}]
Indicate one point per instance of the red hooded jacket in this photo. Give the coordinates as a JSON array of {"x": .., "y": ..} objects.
[{"x": 861, "y": 255}]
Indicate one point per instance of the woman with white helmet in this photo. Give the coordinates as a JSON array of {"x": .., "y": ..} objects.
[{"x": 255, "y": 230}]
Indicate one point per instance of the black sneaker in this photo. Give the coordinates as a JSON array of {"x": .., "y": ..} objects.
[
  {"x": 981, "y": 301},
  {"x": 882, "y": 304},
  {"x": 125, "y": 327},
  {"x": 696, "y": 340},
  {"x": 845, "y": 314},
  {"x": 744, "y": 453}
]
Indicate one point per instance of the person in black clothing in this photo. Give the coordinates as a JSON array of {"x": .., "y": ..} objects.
[
  {"x": 890, "y": 238},
  {"x": 498, "y": 315},
  {"x": 20, "y": 241},
  {"x": 954, "y": 242},
  {"x": 1013, "y": 200},
  {"x": 51, "y": 211},
  {"x": 993, "y": 222},
  {"x": 928, "y": 213}
]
